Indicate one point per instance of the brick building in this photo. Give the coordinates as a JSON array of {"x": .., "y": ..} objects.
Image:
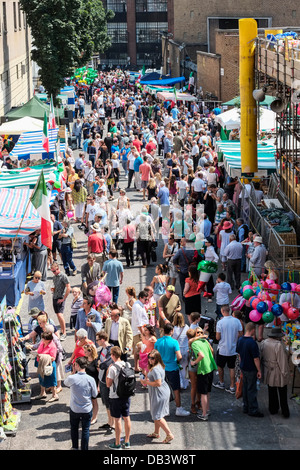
[
  {"x": 136, "y": 31},
  {"x": 206, "y": 34}
]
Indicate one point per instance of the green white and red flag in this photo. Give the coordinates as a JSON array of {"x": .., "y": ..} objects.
[
  {"x": 40, "y": 200},
  {"x": 45, "y": 134},
  {"x": 52, "y": 123}
]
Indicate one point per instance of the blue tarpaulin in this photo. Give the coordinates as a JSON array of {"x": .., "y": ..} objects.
[{"x": 163, "y": 82}]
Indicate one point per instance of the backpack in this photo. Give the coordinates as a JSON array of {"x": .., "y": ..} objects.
[{"x": 126, "y": 381}]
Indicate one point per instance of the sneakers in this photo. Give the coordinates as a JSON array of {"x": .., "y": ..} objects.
[
  {"x": 181, "y": 412},
  {"x": 219, "y": 385},
  {"x": 230, "y": 390},
  {"x": 126, "y": 445},
  {"x": 202, "y": 417},
  {"x": 63, "y": 337},
  {"x": 114, "y": 446}
]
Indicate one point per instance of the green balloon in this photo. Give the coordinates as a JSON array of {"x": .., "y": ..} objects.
[
  {"x": 268, "y": 317},
  {"x": 247, "y": 294},
  {"x": 207, "y": 267},
  {"x": 246, "y": 283}
]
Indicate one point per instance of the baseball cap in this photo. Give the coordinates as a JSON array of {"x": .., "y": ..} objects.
[{"x": 171, "y": 288}]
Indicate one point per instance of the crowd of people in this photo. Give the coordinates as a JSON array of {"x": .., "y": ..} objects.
[{"x": 190, "y": 213}]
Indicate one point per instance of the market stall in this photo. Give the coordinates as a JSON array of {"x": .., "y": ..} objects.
[
  {"x": 17, "y": 127},
  {"x": 34, "y": 108},
  {"x": 230, "y": 153},
  {"x": 232, "y": 119},
  {"x": 169, "y": 96},
  {"x": 27, "y": 177},
  {"x": 31, "y": 143},
  {"x": 18, "y": 220}
]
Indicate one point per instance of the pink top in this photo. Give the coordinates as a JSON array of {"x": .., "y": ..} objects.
[
  {"x": 50, "y": 349},
  {"x": 145, "y": 169}
]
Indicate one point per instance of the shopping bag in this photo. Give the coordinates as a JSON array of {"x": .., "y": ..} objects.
[{"x": 239, "y": 387}]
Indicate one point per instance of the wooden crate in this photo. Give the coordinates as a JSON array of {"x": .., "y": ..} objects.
[{"x": 290, "y": 238}]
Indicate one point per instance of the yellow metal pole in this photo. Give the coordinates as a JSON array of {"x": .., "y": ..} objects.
[{"x": 248, "y": 130}]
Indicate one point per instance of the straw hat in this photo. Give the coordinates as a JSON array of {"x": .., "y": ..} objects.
[{"x": 96, "y": 227}]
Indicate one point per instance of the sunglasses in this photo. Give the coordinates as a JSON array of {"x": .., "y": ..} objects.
[
  {"x": 37, "y": 277},
  {"x": 54, "y": 270},
  {"x": 151, "y": 358}
]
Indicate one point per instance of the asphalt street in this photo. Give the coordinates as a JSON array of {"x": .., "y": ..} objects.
[{"x": 45, "y": 426}]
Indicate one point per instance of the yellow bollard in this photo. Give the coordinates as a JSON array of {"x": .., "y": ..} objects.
[{"x": 248, "y": 130}]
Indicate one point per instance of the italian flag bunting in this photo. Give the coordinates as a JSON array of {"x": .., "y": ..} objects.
[
  {"x": 40, "y": 200},
  {"x": 45, "y": 134},
  {"x": 52, "y": 123}
]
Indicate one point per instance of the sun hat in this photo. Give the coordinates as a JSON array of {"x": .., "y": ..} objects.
[
  {"x": 258, "y": 239},
  {"x": 227, "y": 225},
  {"x": 96, "y": 227},
  {"x": 276, "y": 332},
  {"x": 34, "y": 312}
]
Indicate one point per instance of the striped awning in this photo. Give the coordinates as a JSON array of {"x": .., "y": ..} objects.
[
  {"x": 231, "y": 151},
  {"x": 13, "y": 206},
  {"x": 25, "y": 176},
  {"x": 31, "y": 143}
]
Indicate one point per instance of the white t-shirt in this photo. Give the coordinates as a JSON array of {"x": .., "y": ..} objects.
[
  {"x": 113, "y": 373},
  {"x": 222, "y": 291},
  {"x": 139, "y": 317},
  {"x": 199, "y": 185},
  {"x": 92, "y": 211},
  {"x": 229, "y": 327}
]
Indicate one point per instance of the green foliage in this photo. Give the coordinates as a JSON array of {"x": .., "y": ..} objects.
[{"x": 66, "y": 33}]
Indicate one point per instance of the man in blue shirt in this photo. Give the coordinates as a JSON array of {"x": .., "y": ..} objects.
[
  {"x": 170, "y": 353},
  {"x": 164, "y": 199},
  {"x": 124, "y": 157},
  {"x": 89, "y": 319},
  {"x": 83, "y": 392},
  {"x": 114, "y": 277}
]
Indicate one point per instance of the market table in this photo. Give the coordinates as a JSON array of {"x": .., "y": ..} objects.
[{"x": 12, "y": 283}]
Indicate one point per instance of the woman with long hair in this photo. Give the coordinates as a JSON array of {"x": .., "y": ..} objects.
[
  {"x": 159, "y": 396},
  {"x": 79, "y": 195},
  {"x": 191, "y": 292}
]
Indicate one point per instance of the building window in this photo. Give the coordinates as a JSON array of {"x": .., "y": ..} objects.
[
  {"x": 117, "y": 6},
  {"x": 151, "y": 6},
  {"x": 19, "y": 16},
  {"x": 117, "y": 32},
  {"x": 4, "y": 17},
  {"x": 149, "y": 32},
  {"x": 15, "y": 15}
]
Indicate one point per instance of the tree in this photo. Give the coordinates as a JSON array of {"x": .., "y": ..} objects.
[{"x": 65, "y": 34}]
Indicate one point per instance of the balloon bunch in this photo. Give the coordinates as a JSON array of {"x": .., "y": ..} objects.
[
  {"x": 261, "y": 296},
  {"x": 85, "y": 76}
]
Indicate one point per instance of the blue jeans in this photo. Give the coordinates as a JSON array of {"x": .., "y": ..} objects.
[
  {"x": 78, "y": 141},
  {"x": 85, "y": 423},
  {"x": 250, "y": 404},
  {"x": 67, "y": 254},
  {"x": 115, "y": 293}
]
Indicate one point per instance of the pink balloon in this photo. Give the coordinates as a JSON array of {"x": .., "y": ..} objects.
[
  {"x": 70, "y": 214},
  {"x": 270, "y": 304},
  {"x": 264, "y": 296},
  {"x": 255, "y": 316},
  {"x": 255, "y": 302},
  {"x": 269, "y": 282},
  {"x": 293, "y": 286},
  {"x": 248, "y": 286}
]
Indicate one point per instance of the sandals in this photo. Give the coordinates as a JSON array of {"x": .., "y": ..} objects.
[
  {"x": 154, "y": 435},
  {"x": 168, "y": 439}
]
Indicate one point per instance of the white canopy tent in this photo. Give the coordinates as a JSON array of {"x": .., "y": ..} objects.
[
  {"x": 167, "y": 96},
  {"x": 232, "y": 120},
  {"x": 17, "y": 127}
]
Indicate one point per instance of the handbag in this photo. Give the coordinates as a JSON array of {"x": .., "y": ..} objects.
[
  {"x": 239, "y": 387},
  {"x": 48, "y": 370},
  {"x": 73, "y": 243}
]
